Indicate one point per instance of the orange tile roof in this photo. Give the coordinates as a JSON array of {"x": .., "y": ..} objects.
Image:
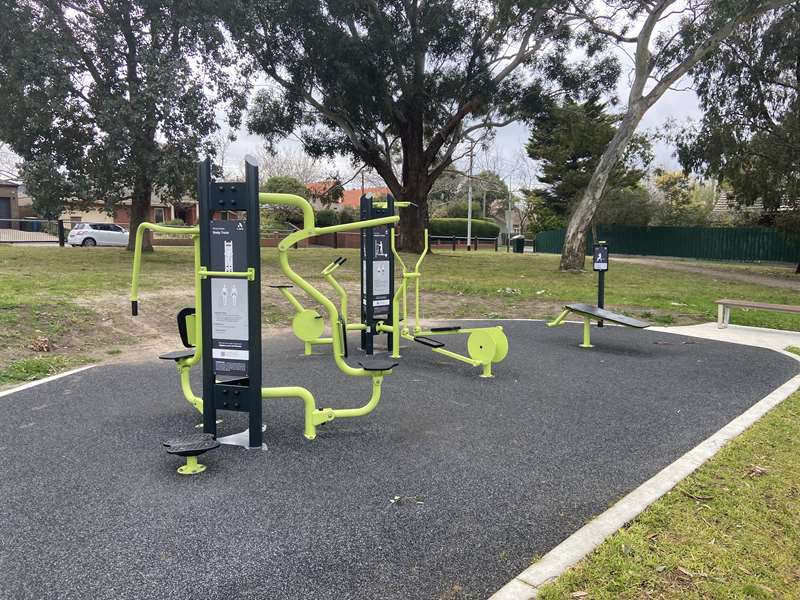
[{"x": 352, "y": 197}]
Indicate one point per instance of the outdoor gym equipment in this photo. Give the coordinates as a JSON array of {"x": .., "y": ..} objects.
[
  {"x": 307, "y": 324},
  {"x": 385, "y": 310},
  {"x": 224, "y": 327},
  {"x": 589, "y": 312}
]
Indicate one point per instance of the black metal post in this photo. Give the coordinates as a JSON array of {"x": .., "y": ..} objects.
[
  {"x": 601, "y": 293},
  {"x": 61, "y": 236},
  {"x": 454, "y": 246}
]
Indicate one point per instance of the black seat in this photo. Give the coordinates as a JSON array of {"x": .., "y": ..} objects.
[
  {"x": 430, "y": 342},
  {"x": 377, "y": 364},
  {"x": 448, "y": 328},
  {"x": 177, "y": 354},
  {"x": 196, "y": 448},
  {"x": 188, "y": 439},
  {"x": 278, "y": 286}
]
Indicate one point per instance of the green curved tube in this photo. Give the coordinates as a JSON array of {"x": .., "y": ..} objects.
[
  {"x": 291, "y": 200},
  {"x": 367, "y": 408},
  {"x": 186, "y": 386}
]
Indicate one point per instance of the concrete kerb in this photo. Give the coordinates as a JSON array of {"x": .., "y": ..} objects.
[
  {"x": 525, "y": 586},
  {"x": 31, "y": 384}
]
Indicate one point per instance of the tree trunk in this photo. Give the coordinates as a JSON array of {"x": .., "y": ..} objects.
[
  {"x": 414, "y": 220},
  {"x": 140, "y": 212},
  {"x": 573, "y": 253}
]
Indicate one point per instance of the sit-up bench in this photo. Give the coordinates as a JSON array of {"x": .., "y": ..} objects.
[
  {"x": 724, "y": 309},
  {"x": 589, "y": 312}
]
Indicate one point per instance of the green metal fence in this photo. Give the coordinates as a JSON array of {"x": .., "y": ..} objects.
[{"x": 714, "y": 243}]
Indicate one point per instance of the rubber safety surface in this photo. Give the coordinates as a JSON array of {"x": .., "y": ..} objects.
[{"x": 449, "y": 489}]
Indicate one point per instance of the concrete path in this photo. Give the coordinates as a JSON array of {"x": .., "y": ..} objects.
[{"x": 760, "y": 337}]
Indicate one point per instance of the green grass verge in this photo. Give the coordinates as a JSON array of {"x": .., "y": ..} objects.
[
  {"x": 793, "y": 350},
  {"x": 38, "y": 367},
  {"x": 729, "y": 531}
]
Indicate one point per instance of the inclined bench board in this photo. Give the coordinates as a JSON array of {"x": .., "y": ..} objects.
[
  {"x": 724, "y": 309},
  {"x": 606, "y": 315}
]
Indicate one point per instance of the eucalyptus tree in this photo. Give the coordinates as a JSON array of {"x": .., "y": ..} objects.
[
  {"x": 109, "y": 100},
  {"x": 666, "y": 40},
  {"x": 399, "y": 84},
  {"x": 749, "y": 135}
]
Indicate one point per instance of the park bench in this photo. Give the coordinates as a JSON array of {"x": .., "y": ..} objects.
[{"x": 724, "y": 309}]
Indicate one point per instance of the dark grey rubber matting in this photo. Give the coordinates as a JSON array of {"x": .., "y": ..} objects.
[{"x": 490, "y": 473}]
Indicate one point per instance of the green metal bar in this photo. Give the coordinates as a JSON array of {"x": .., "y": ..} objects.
[
  {"x": 367, "y": 408},
  {"x": 455, "y": 355},
  {"x": 559, "y": 320},
  {"x": 395, "y": 252},
  {"x": 342, "y": 296},
  {"x": 292, "y": 300},
  {"x": 186, "y": 386},
  {"x": 313, "y": 416},
  {"x": 355, "y": 225},
  {"x": 137, "y": 249},
  {"x": 587, "y": 328},
  {"x": 250, "y": 274}
]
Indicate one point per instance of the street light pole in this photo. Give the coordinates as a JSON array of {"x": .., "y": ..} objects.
[{"x": 469, "y": 197}]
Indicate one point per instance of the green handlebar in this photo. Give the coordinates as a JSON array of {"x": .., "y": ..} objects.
[{"x": 137, "y": 254}]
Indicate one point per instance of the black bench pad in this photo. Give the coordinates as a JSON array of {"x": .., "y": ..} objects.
[
  {"x": 377, "y": 364},
  {"x": 278, "y": 286},
  {"x": 430, "y": 342},
  {"x": 607, "y": 315},
  {"x": 449, "y": 328},
  {"x": 177, "y": 354}
]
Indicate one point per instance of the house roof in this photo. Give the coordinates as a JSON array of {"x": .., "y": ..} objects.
[
  {"x": 8, "y": 183},
  {"x": 352, "y": 197},
  {"x": 317, "y": 188}
]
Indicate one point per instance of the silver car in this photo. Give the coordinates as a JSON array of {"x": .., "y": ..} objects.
[{"x": 97, "y": 234}]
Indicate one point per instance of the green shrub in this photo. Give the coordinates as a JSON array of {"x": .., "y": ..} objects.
[
  {"x": 347, "y": 215},
  {"x": 326, "y": 218},
  {"x": 458, "y": 227},
  {"x": 173, "y": 222}
]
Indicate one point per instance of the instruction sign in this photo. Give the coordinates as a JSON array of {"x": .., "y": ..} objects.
[
  {"x": 381, "y": 283},
  {"x": 600, "y": 257},
  {"x": 228, "y": 246},
  {"x": 229, "y": 306}
]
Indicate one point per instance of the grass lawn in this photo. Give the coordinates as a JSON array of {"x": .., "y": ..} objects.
[
  {"x": 729, "y": 531},
  {"x": 72, "y": 302}
]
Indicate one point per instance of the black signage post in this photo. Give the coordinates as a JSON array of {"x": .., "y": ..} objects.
[
  {"x": 230, "y": 258},
  {"x": 377, "y": 271},
  {"x": 600, "y": 264}
]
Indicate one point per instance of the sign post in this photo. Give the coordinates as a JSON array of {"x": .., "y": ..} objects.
[
  {"x": 600, "y": 264},
  {"x": 230, "y": 273},
  {"x": 377, "y": 271}
]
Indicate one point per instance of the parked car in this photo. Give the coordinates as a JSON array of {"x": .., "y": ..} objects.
[{"x": 97, "y": 234}]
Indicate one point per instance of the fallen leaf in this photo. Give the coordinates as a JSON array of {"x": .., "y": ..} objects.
[
  {"x": 580, "y": 594},
  {"x": 661, "y": 568},
  {"x": 756, "y": 471}
]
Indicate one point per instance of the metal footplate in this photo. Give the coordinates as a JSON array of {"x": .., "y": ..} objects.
[
  {"x": 177, "y": 354},
  {"x": 191, "y": 447},
  {"x": 430, "y": 342},
  {"x": 377, "y": 364}
]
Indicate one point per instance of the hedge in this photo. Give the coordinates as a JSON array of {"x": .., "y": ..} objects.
[{"x": 458, "y": 227}]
